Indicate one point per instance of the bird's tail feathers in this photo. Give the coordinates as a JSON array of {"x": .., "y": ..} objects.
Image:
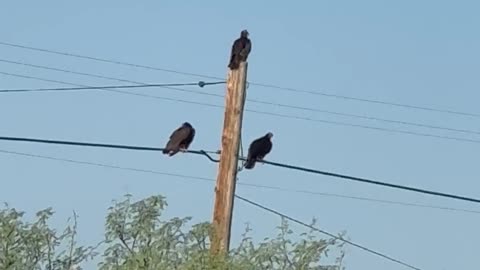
[
  {"x": 233, "y": 65},
  {"x": 234, "y": 62},
  {"x": 170, "y": 152},
  {"x": 249, "y": 164}
]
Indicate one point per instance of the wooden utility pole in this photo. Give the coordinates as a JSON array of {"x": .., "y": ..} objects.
[{"x": 227, "y": 168}]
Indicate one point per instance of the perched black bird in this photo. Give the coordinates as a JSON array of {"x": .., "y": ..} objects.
[
  {"x": 180, "y": 139},
  {"x": 258, "y": 149},
  {"x": 240, "y": 50}
]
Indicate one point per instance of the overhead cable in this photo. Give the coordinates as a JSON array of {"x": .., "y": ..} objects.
[
  {"x": 287, "y": 116},
  {"x": 371, "y": 181},
  {"x": 287, "y": 166},
  {"x": 362, "y": 247},
  {"x": 318, "y": 93},
  {"x": 201, "y": 84},
  {"x": 296, "y": 107},
  {"x": 251, "y": 185}
]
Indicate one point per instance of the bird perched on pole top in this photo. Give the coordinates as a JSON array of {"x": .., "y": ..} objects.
[
  {"x": 180, "y": 139},
  {"x": 258, "y": 149},
  {"x": 240, "y": 50}
]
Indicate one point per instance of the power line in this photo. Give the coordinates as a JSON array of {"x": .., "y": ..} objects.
[
  {"x": 323, "y": 194},
  {"x": 317, "y": 93},
  {"x": 205, "y": 153},
  {"x": 359, "y": 198},
  {"x": 250, "y": 100},
  {"x": 338, "y": 123},
  {"x": 367, "y": 100},
  {"x": 326, "y": 233},
  {"x": 107, "y": 60},
  {"x": 121, "y": 91},
  {"x": 371, "y": 181},
  {"x": 86, "y": 87},
  {"x": 107, "y": 165},
  {"x": 103, "y": 145},
  {"x": 67, "y": 71},
  {"x": 103, "y": 87},
  {"x": 202, "y": 179},
  {"x": 148, "y": 171},
  {"x": 201, "y": 83},
  {"x": 408, "y": 188},
  {"x": 36, "y": 78},
  {"x": 287, "y": 116},
  {"x": 365, "y": 117}
]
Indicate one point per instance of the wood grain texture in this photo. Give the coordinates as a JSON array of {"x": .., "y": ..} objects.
[{"x": 228, "y": 165}]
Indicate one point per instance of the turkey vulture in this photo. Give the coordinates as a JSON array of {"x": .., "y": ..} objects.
[
  {"x": 180, "y": 139},
  {"x": 258, "y": 149},
  {"x": 240, "y": 50}
]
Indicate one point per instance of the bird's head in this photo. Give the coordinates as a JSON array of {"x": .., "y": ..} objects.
[
  {"x": 244, "y": 33},
  {"x": 269, "y": 135},
  {"x": 186, "y": 124}
]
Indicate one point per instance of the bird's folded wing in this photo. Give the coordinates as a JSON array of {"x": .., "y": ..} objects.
[{"x": 179, "y": 135}]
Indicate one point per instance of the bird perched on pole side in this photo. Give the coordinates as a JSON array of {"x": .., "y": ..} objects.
[
  {"x": 240, "y": 50},
  {"x": 180, "y": 139},
  {"x": 258, "y": 149}
]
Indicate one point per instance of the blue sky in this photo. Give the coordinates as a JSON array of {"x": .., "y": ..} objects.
[{"x": 422, "y": 53}]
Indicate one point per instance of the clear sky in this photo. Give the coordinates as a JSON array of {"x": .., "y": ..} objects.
[{"x": 422, "y": 53}]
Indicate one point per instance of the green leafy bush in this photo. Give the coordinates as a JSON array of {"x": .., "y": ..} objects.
[{"x": 136, "y": 237}]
